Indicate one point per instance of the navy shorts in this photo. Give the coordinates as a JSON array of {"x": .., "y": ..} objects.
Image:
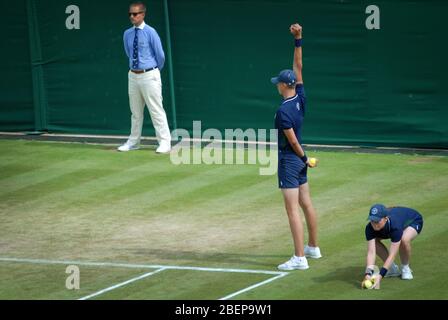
[
  {"x": 417, "y": 225},
  {"x": 291, "y": 171}
]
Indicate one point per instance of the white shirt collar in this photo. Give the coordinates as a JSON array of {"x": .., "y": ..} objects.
[{"x": 141, "y": 26}]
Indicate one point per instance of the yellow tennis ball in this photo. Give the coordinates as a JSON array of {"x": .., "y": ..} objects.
[
  {"x": 312, "y": 162},
  {"x": 368, "y": 284}
]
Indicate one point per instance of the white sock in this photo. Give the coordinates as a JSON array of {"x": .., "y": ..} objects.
[{"x": 405, "y": 265}]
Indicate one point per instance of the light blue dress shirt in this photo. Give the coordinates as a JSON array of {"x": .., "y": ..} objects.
[{"x": 150, "y": 51}]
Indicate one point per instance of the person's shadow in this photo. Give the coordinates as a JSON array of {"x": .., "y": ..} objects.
[{"x": 348, "y": 274}]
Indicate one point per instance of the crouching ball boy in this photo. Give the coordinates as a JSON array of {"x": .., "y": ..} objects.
[{"x": 399, "y": 224}]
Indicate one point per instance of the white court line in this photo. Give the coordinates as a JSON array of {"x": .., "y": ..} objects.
[
  {"x": 121, "y": 284},
  {"x": 278, "y": 274},
  {"x": 140, "y": 266},
  {"x": 253, "y": 286}
]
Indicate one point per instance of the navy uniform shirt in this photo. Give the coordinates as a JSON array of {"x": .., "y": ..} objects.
[
  {"x": 289, "y": 115},
  {"x": 399, "y": 219}
]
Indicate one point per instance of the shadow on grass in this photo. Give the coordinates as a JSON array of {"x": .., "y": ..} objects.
[{"x": 351, "y": 275}]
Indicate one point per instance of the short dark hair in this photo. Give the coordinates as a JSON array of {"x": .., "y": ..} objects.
[{"x": 138, "y": 4}]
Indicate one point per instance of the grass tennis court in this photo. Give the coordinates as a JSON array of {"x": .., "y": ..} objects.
[{"x": 88, "y": 203}]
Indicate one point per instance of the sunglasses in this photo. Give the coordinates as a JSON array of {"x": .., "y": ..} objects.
[{"x": 134, "y": 14}]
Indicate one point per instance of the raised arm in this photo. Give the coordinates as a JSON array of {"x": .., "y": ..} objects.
[{"x": 296, "y": 31}]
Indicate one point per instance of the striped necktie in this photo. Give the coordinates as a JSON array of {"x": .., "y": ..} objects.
[{"x": 135, "y": 51}]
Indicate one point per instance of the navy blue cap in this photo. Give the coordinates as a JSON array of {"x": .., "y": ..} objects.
[
  {"x": 285, "y": 76},
  {"x": 377, "y": 212}
]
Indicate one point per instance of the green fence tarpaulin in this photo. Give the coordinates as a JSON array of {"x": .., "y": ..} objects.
[{"x": 385, "y": 87}]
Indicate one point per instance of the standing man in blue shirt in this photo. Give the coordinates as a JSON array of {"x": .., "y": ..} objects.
[
  {"x": 292, "y": 161},
  {"x": 399, "y": 224},
  {"x": 146, "y": 58}
]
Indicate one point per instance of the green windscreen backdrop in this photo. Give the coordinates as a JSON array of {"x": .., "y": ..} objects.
[
  {"x": 16, "y": 92},
  {"x": 385, "y": 87}
]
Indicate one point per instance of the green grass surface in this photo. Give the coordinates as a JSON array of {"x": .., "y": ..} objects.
[{"x": 63, "y": 201}]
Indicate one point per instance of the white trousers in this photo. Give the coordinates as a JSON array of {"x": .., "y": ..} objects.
[{"x": 146, "y": 88}]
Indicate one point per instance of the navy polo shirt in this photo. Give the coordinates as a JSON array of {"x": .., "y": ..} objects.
[
  {"x": 399, "y": 219},
  {"x": 289, "y": 115}
]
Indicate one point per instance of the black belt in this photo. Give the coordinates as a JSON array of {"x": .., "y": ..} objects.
[{"x": 143, "y": 71}]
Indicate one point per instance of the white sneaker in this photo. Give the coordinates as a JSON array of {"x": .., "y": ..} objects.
[
  {"x": 294, "y": 263},
  {"x": 164, "y": 148},
  {"x": 312, "y": 252},
  {"x": 394, "y": 271},
  {"x": 406, "y": 273},
  {"x": 127, "y": 147}
]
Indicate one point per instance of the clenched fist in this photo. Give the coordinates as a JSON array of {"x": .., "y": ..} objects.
[{"x": 296, "y": 30}]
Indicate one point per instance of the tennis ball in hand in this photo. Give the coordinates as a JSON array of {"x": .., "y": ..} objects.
[
  {"x": 368, "y": 284},
  {"x": 312, "y": 162}
]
